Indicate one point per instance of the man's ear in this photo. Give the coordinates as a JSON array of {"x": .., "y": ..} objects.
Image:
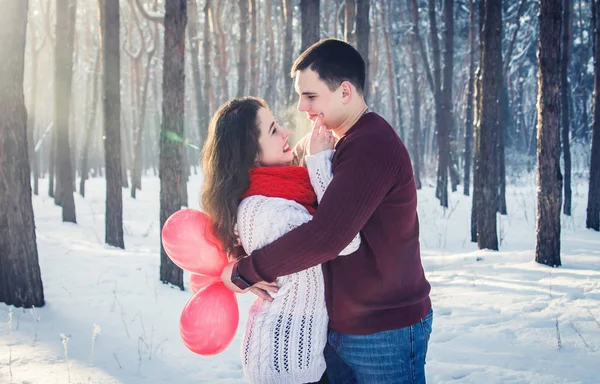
[{"x": 347, "y": 91}]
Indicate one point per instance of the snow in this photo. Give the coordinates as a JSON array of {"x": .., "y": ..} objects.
[{"x": 498, "y": 316}]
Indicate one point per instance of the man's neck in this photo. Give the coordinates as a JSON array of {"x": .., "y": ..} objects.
[{"x": 351, "y": 119}]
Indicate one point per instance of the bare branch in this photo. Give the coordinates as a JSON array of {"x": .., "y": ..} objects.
[
  {"x": 414, "y": 11},
  {"x": 155, "y": 17},
  {"x": 137, "y": 54},
  {"x": 511, "y": 45}
]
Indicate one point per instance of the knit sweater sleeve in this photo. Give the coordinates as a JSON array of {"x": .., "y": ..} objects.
[
  {"x": 366, "y": 167},
  {"x": 262, "y": 220},
  {"x": 321, "y": 173}
]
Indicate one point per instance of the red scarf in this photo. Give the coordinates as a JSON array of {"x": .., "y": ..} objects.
[{"x": 287, "y": 182}]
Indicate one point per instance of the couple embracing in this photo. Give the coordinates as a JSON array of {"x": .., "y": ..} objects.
[{"x": 330, "y": 229}]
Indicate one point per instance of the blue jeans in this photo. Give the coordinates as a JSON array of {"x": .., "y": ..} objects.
[{"x": 396, "y": 356}]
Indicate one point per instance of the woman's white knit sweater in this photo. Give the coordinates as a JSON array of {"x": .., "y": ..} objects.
[{"x": 284, "y": 339}]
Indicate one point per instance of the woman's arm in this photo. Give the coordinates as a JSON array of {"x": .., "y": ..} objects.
[{"x": 262, "y": 220}]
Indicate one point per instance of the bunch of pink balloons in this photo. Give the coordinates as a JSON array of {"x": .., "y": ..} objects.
[{"x": 210, "y": 318}]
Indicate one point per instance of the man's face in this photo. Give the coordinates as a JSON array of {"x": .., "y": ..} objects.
[{"x": 317, "y": 98}]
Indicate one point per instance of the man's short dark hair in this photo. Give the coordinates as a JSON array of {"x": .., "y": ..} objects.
[{"x": 335, "y": 61}]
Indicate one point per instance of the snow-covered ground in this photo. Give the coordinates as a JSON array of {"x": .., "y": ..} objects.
[{"x": 498, "y": 316}]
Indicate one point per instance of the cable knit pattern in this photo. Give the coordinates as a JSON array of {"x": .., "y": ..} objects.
[{"x": 284, "y": 339}]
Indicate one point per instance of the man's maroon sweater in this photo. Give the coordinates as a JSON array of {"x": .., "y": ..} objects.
[{"x": 382, "y": 285}]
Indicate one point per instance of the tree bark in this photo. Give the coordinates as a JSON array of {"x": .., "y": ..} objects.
[
  {"x": 485, "y": 180},
  {"x": 172, "y": 121},
  {"x": 549, "y": 179},
  {"x": 20, "y": 277},
  {"x": 565, "y": 91},
  {"x": 310, "y": 16},
  {"x": 593, "y": 203},
  {"x": 111, "y": 98},
  {"x": 63, "y": 69},
  {"x": 469, "y": 106}
]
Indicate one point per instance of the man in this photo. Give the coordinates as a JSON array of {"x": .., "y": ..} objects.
[{"x": 377, "y": 298}]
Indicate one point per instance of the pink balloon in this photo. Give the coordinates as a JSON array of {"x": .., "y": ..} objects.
[
  {"x": 209, "y": 320},
  {"x": 197, "y": 282},
  {"x": 189, "y": 241}
]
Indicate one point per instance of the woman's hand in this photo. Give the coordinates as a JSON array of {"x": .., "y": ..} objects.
[{"x": 320, "y": 139}]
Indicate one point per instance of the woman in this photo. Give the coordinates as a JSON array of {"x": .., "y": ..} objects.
[{"x": 254, "y": 196}]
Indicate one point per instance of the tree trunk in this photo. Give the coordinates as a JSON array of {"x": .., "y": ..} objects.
[
  {"x": 132, "y": 27},
  {"x": 221, "y": 56},
  {"x": 253, "y": 47},
  {"x": 243, "y": 58},
  {"x": 288, "y": 51},
  {"x": 52, "y": 160},
  {"x": 363, "y": 32},
  {"x": 195, "y": 52},
  {"x": 441, "y": 190},
  {"x": 445, "y": 122},
  {"x": 63, "y": 68},
  {"x": 20, "y": 277},
  {"x": 504, "y": 121},
  {"x": 469, "y": 106},
  {"x": 310, "y": 16},
  {"x": 350, "y": 21},
  {"x": 208, "y": 88},
  {"x": 485, "y": 180},
  {"x": 32, "y": 110},
  {"x": 582, "y": 69},
  {"x": 111, "y": 58},
  {"x": 416, "y": 99},
  {"x": 476, "y": 124},
  {"x": 138, "y": 141},
  {"x": 389, "y": 68},
  {"x": 270, "y": 57},
  {"x": 549, "y": 179},
  {"x": 172, "y": 121},
  {"x": 91, "y": 125},
  {"x": 564, "y": 96},
  {"x": 593, "y": 203}
]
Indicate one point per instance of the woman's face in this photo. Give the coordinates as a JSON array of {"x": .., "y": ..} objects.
[{"x": 274, "y": 147}]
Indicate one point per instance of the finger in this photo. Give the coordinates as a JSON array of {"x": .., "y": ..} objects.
[
  {"x": 317, "y": 124},
  {"x": 267, "y": 287},
  {"x": 261, "y": 293}
]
